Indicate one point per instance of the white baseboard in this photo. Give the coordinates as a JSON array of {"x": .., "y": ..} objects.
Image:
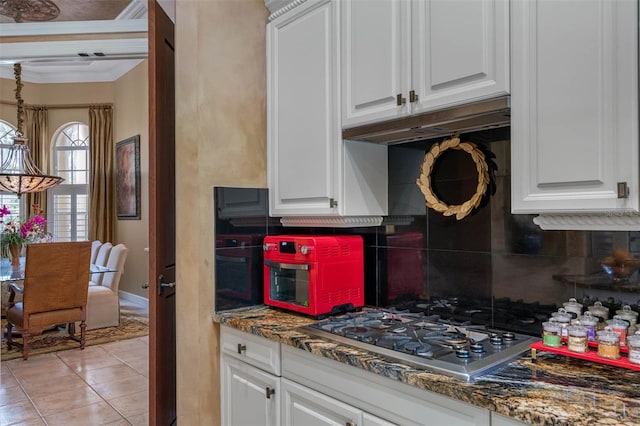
[{"x": 134, "y": 298}]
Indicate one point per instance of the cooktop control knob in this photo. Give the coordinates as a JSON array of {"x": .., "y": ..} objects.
[{"x": 305, "y": 250}]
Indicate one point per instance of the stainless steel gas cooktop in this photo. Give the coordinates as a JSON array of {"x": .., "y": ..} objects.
[{"x": 427, "y": 342}]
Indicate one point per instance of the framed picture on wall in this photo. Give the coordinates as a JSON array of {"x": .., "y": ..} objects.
[{"x": 128, "y": 178}]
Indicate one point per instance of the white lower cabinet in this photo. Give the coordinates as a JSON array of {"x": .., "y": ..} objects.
[
  {"x": 250, "y": 396},
  {"x": 265, "y": 383},
  {"x": 249, "y": 379},
  {"x": 304, "y": 406},
  {"x": 369, "y": 393}
]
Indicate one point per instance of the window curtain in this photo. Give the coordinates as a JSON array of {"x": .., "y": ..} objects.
[
  {"x": 37, "y": 133},
  {"x": 101, "y": 180}
]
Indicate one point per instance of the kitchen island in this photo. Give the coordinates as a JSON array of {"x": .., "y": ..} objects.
[{"x": 553, "y": 390}]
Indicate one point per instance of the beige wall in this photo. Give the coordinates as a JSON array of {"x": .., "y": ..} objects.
[
  {"x": 131, "y": 117},
  {"x": 220, "y": 141},
  {"x": 129, "y": 95}
]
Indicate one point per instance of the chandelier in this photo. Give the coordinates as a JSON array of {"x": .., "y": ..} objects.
[
  {"x": 29, "y": 10},
  {"x": 18, "y": 173}
]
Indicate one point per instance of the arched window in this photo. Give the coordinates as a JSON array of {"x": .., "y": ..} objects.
[
  {"x": 11, "y": 200},
  {"x": 68, "y": 203}
]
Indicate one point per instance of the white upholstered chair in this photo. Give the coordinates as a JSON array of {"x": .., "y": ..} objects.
[
  {"x": 101, "y": 260},
  {"x": 95, "y": 246},
  {"x": 103, "y": 302}
]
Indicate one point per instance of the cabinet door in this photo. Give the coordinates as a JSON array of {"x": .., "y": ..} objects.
[
  {"x": 371, "y": 420},
  {"x": 375, "y": 58},
  {"x": 303, "y": 406},
  {"x": 460, "y": 51},
  {"x": 303, "y": 133},
  {"x": 574, "y": 128},
  {"x": 244, "y": 399}
]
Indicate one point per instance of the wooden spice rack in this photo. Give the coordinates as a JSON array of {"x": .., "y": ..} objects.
[{"x": 590, "y": 355}]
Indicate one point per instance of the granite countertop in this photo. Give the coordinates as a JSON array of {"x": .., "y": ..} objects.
[{"x": 555, "y": 390}]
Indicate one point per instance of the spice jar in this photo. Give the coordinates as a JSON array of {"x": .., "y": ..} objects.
[
  {"x": 573, "y": 307},
  {"x": 608, "y": 344},
  {"x": 620, "y": 326},
  {"x": 633, "y": 342},
  {"x": 589, "y": 322},
  {"x": 577, "y": 338},
  {"x": 552, "y": 334},
  {"x": 629, "y": 315},
  {"x": 563, "y": 318},
  {"x": 600, "y": 312}
]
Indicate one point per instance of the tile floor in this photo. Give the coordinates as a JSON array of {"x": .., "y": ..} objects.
[{"x": 101, "y": 385}]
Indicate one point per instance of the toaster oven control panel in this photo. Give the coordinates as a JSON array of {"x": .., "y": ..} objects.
[{"x": 288, "y": 247}]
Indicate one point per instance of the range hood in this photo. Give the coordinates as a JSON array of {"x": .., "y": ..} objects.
[{"x": 483, "y": 115}]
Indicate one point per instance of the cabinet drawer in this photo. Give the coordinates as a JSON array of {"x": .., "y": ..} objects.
[
  {"x": 376, "y": 395},
  {"x": 254, "y": 350}
]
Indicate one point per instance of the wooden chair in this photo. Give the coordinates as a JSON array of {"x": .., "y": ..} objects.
[{"x": 56, "y": 281}]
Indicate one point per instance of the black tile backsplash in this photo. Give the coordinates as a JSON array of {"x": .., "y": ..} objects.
[{"x": 418, "y": 255}]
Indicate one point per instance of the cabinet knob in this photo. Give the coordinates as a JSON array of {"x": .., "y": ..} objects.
[
  {"x": 241, "y": 348},
  {"x": 269, "y": 392},
  {"x": 413, "y": 97},
  {"x": 400, "y": 100}
]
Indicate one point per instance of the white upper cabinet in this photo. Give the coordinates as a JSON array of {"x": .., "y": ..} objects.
[
  {"x": 375, "y": 54},
  {"x": 460, "y": 51},
  {"x": 574, "y": 100},
  {"x": 404, "y": 57},
  {"x": 311, "y": 170},
  {"x": 303, "y": 118}
]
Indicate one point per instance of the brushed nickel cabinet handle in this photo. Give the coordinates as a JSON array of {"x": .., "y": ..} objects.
[
  {"x": 413, "y": 97},
  {"x": 241, "y": 348},
  {"x": 400, "y": 100},
  {"x": 623, "y": 190}
]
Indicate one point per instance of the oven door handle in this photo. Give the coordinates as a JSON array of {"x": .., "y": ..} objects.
[
  {"x": 231, "y": 259},
  {"x": 296, "y": 266}
]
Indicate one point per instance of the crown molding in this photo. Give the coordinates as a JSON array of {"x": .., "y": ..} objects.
[
  {"x": 610, "y": 221},
  {"x": 66, "y": 50},
  {"x": 331, "y": 221},
  {"x": 286, "y": 6},
  {"x": 35, "y": 29},
  {"x": 85, "y": 72},
  {"x": 275, "y": 5}
]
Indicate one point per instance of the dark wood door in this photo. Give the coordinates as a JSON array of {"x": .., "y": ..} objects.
[{"x": 162, "y": 220}]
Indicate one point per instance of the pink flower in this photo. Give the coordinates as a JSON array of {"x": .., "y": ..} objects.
[
  {"x": 4, "y": 211},
  {"x": 35, "y": 225}
]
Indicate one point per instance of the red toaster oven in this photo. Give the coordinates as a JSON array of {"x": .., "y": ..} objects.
[{"x": 314, "y": 275}]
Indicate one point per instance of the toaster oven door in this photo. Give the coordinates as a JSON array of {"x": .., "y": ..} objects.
[{"x": 289, "y": 282}]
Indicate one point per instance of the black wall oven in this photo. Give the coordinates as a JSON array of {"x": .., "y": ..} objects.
[{"x": 238, "y": 270}]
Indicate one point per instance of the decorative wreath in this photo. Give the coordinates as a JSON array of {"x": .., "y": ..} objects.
[{"x": 424, "y": 181}]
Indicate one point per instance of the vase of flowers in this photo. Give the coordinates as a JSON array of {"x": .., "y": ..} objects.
[
  {"x": 17, "y": 232},
  {"x": 14, "y": 254}
]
